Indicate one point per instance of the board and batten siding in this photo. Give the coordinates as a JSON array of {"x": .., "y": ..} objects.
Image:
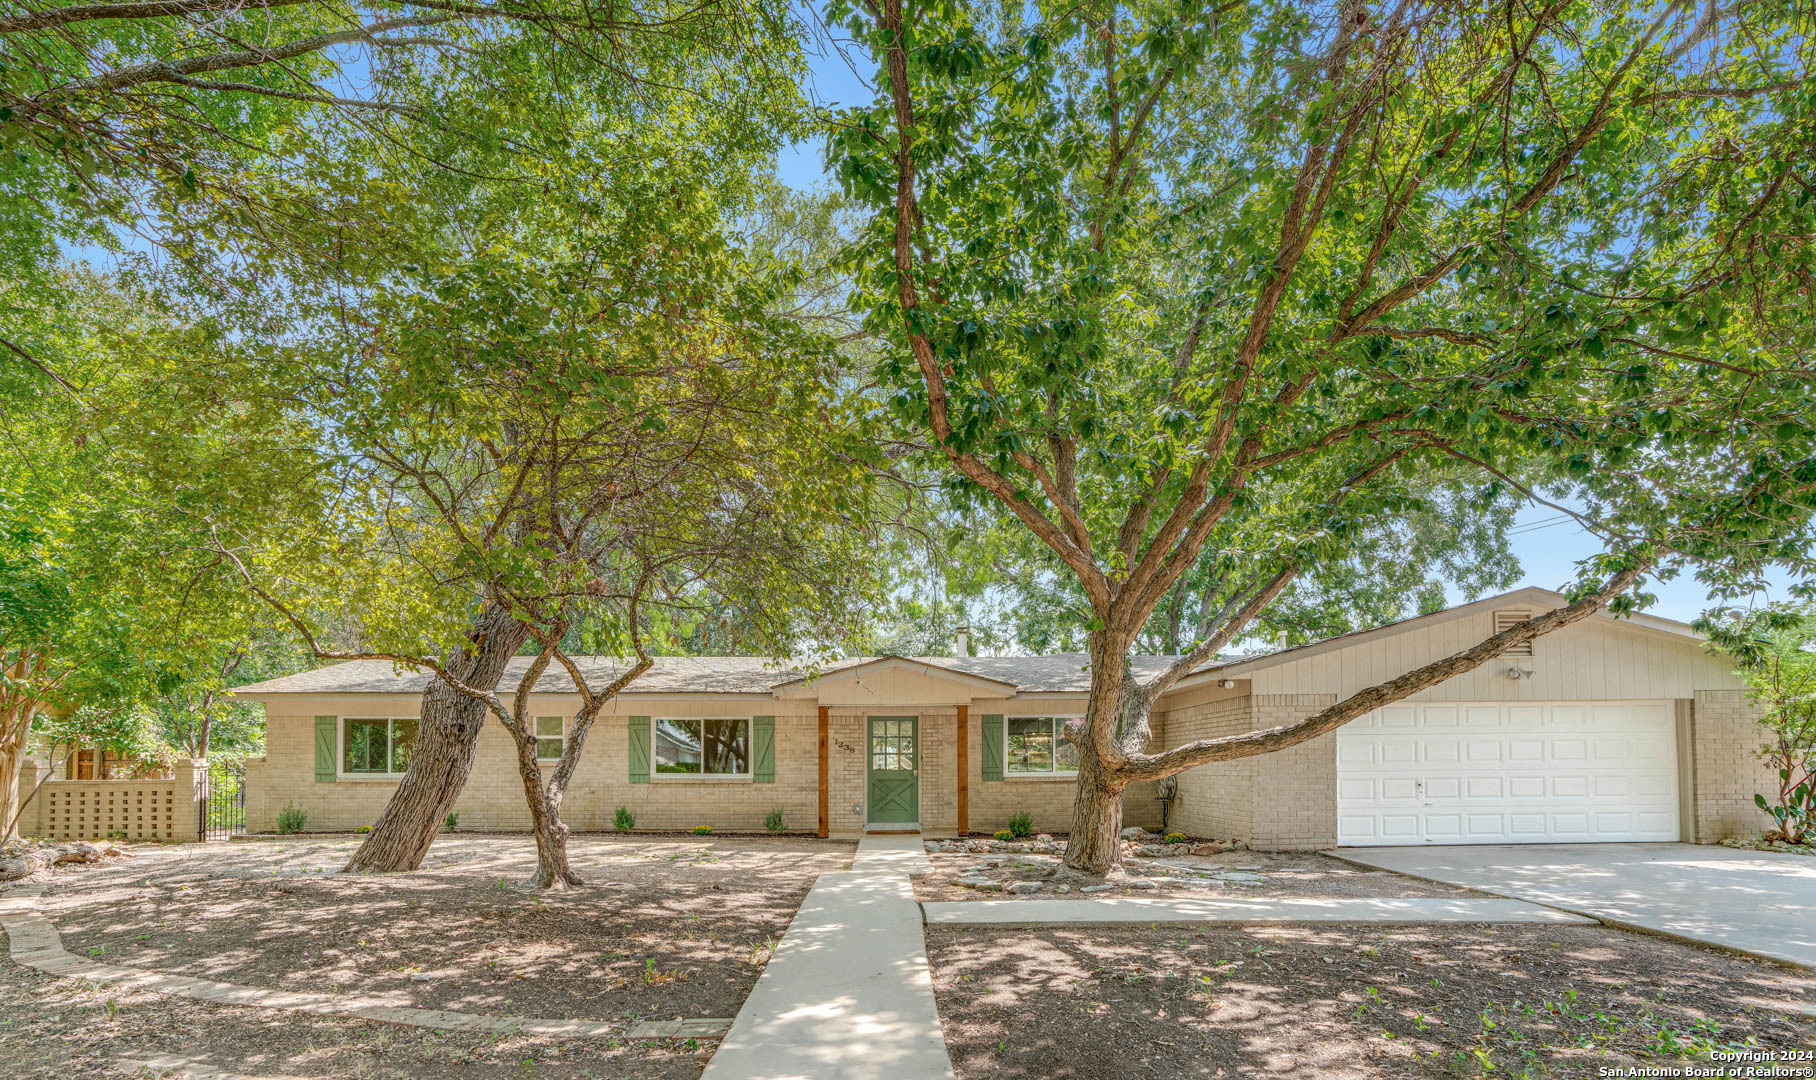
[{"x": 1597, "y": 659}]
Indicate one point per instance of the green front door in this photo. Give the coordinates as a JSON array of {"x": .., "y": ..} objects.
[{"x": 895, "y": 776}]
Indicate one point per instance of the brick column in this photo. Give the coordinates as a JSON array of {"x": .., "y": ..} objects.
[
  {"x": 1725, "y": 734},
  {"x": 188, "y": 776},
  {"x": 31, "y": 817}
]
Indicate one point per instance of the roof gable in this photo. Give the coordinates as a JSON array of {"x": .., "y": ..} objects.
[{"x": 891, "y": 680}]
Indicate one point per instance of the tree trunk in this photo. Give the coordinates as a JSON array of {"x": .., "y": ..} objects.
[
  {"x": 1095, "y": 845},
  {"x": 544, "y": 799},
  {"x": 552, "y": 869},
  {"x": 447, "y": 734},
  {"x": 10, "y": 807}
]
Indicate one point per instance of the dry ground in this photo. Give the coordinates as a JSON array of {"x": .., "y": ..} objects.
[
  {"x": 668, "y": 928},
  {"x": 1295, "y": 874},
  {"x": 1344, "y": 1002}
]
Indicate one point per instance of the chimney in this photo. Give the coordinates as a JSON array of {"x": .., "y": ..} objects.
[{"x": 962, "y": 646}]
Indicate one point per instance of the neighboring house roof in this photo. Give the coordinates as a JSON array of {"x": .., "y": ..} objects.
[{"x": 1009, "y": 675}]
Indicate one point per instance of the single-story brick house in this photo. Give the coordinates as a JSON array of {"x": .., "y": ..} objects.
[{"x": 1609, "y": 730}]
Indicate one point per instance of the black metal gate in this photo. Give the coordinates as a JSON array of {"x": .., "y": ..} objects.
[{"x": 221, "y": 804}]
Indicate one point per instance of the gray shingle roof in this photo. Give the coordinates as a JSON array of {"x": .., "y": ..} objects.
[{"x": 1052, "y": 673}]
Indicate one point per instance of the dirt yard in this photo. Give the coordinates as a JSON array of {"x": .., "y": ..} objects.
[
  {"x": 1231, "y": 874},
  {"x": 1345, "y": 1002},
  {"x": 667, "y": 928}
]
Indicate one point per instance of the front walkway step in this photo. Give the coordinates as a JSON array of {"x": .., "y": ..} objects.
[
  {"x": 848, "y": 994},
  {"x": 892, "y": 853},
  {"x": 1141, "y": 909}
]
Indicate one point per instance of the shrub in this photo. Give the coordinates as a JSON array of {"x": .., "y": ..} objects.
[
  {"x": 703, "y": 830},
  {"x": 363, "y": 829},
  {"x": 291, "y": 819},
  {"x": 773, "y": 820},
  {"x": 1022, "y": 825},
  {"x": 1174, "y": 838},
  {"x": 623, "y": 820},
  {"x": 451, "y": 822},
  {"x": 1003, "y": 834}
]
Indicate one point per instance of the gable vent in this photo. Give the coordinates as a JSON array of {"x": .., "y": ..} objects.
[{"x": 1504, "y": 620}]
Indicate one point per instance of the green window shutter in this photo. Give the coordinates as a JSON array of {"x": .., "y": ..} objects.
[
  {"x": 639, "y": 728},
  {"x": 763, "y": 749},
  {"x": 993, "y": 748},
  {"x": 324, "y": 749}
]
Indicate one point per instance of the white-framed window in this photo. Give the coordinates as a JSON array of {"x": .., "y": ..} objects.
[
  {"x": 1037, "y": 746},
  {"x": 694, "y": 746},
  {"x": 550, "y": 737},
  {"x": 376, "y": 746}
]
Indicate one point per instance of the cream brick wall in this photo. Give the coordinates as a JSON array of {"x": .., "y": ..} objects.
[
  {"x": 1725, "y": 733},
  {"x": 1216, "y": 800},
  {"x": 1048, "y": 801},
  {"x": 493, "y": 798},
  {"x": 1296, "y": 788},
  {"x": 100, "y": 809}
]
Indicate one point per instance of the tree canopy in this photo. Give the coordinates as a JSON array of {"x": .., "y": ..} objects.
[{"x": 1245, "y": 282}]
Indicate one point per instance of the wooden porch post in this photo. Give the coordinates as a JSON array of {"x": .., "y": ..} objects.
[
  {"x": 825, "y": 817},
  {"x": 964, "y": 770}
]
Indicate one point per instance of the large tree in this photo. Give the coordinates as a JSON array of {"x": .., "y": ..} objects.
[
  {"x": 109, "y": 597},
  {"x": 597, "y": 410},
  {"x": 1174, "y": 283}
]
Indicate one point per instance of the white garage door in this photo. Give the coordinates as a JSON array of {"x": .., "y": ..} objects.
[{"x": 1540, "y": 773}]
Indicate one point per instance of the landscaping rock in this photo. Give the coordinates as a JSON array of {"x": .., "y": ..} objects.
[
  {"x": 1240, "y": 878},
  {"x": 1154, "y": 851},
  {"x": 1135, "y": 832},
  {"x": 1141, "y": 883},
  {"x": 1024, "y": 888},
  {"x": 1046, "y": 848},
  {"x": 1095, "y": 888},
  {"x": 1208, "y": 849}
]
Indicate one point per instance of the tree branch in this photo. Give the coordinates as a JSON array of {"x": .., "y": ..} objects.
[{"x": 1268, "y": 740}]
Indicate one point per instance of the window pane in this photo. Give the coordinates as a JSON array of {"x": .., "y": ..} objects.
[
  {"x": 403, "y": 740},
  {"x": 548, "y": 727},
  {"x": 725, "y": 746},
  {"x": 1030, "y": 741},
  {"x": 1065, "y": 755},
  {"x": 548, "y": 749},
  {"x": 363, "y": 746},
  {"x": 677, "y": 748}
]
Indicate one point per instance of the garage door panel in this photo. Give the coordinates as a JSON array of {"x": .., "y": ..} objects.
[
  {"x": 1441, "y": 750},
  {"x": 1526, "y": 787},
  {"x": 1532, "y": 772},
  {"x": 1444, "y": 787},
  {"x": 1486, "y": 787}
]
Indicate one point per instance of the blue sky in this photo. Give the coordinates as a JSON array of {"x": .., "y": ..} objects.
[{"x": 1547, "y": 544}]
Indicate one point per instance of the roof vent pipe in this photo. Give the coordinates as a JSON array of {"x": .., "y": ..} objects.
[{"x": 962, "y": 646}]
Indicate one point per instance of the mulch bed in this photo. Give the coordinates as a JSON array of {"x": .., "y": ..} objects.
[
  {"x": 1348, "y": 1002},
  {"x": 1217, "y": 877},
  {"x": 665, "y": 929}
]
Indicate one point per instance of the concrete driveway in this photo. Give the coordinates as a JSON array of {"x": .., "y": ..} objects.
[{"x": 1755, "y": 902}]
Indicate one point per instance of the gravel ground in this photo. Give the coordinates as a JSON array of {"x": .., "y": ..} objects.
[
  {"x": 1231, "y": 874},
  {"x": 1367, "y": 1003},
  {"x": 666, "y": 928}
]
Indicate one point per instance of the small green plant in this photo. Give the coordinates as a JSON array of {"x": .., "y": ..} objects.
[
  {"x": 1003, "y": 834},
  {"x": 1021, "y": 825},
  {"x": 363, "y": 829},
  {"x": 451, "y": 822},
  {"x": 703, "y": 830},
  {"x": 773, "y": 820},
  {"x": 623, "y": 820},
  {"x": 1174, "y": 838},
  {"x": 291, "y": 819}
]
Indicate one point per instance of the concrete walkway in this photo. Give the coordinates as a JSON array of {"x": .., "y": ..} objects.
[
  {"x": 1759, "y": 903},
  {"x": 848, "y": 994},
  {"x": 1141, "y": 909}
]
